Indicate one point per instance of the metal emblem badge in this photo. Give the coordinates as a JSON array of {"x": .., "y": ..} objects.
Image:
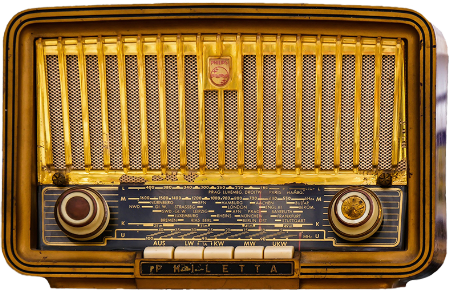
[{"x": 219, "y": 71}]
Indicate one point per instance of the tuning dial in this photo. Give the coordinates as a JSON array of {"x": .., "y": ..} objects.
[
  {"x": 355, "y": 213},
  {"x": 81, "y": 213}
]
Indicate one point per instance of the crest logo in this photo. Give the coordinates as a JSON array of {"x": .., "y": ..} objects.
[{"x": 219, "y": 71}]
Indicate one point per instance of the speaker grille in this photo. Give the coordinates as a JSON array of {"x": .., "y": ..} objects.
[{"x": 321, "y": 94}]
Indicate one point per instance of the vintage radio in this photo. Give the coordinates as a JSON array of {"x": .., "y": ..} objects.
[{"x": 233, "y": 146}]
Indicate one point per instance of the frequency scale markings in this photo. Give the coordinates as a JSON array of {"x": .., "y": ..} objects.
[{"x": 223, "y": 216}]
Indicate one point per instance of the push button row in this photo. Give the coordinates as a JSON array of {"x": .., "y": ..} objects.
[{"x": 219, "y": 253}]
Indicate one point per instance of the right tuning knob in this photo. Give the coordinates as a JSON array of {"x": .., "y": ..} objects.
[{"x": 355, "y": 213}]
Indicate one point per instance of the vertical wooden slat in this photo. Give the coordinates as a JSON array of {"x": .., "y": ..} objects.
[
  {"x": 123, "y": 103},
  {"x": 298, "y": 104},
  {"x": 279, "y": 103},
  {"x": 41, "y": 142},
  {"x": 397, "y": 104},
  {"x": 240, "y": 106},
  {"x": 221, "y": 132},
  {"x": 104, "y": 104},
  {"x": 182, "y": 103},
  {"x": 403, "y": 112},
  {"x": 357, "y": 103},
  {"x": 378, "y": 76},
  {"x": 201, "y": 113},
  {"x": 41, "y": 134},
  {"x": 43, "y": 96},
  {"x": 337, "y": 123},
  {"x": 259, "y": 74},
  {"x": 162, "y": 114},
  {"x": 65, "y": 103},
  {"x": 221, "y": 128},
  {"x": 318, "y": 100},
  {"x": 85, "y": 103},
  {"x": 142, "y": 103}
]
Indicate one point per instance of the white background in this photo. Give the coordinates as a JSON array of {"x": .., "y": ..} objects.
[{"x": 435, "y": 11}]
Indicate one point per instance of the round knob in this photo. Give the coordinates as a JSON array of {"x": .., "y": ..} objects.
[
  {"x": 355, "y": 213},
  {"x": 82, "y": 213}
]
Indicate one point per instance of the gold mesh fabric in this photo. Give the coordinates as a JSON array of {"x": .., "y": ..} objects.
[
  {"x": 129, "y": 179},
  {"x": 94, "y": 101},
  {"x": 308, "y": 112},
  {"x": 132, "y": 97},
  {"x": 289, "y": 111},
  {"x": 231, "y": 129},
  {"x": 75, "y": 113},
  {"x": 153, "y": 124},
  {"x": 55, "y": 106},
  {"x": 190, "y": 177},
  {"x": 250, "y": 111},
  {"x": 269, "y": 111},
  {"x": 172, "y": 114},
  {"x": 211, "y": 118},
  {"x": 367, "y": 112},
  {"x": 191, "y": 98},
  {"x": 328, "y": 113},
  {"x": 347, "y": 113},
  {"x": 114, "y": 112},
  {"x": 386, "y": 112},
  {"x": 402, "y": 165}
]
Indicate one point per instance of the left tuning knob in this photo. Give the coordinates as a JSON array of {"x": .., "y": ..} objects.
[{"x": 82, "y": 213}]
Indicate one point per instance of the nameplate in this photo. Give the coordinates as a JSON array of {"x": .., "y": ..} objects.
[{"x": 217, "y": 268}]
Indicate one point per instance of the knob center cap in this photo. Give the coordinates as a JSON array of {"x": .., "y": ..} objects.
[
  {"x": 77, "y": 208},
  {"x": 353, "y": 207}
]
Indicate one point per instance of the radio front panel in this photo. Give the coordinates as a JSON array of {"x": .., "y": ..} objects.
[
  {"x": 289, "y": 215},
  {"x": 233, "y": 146}
]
